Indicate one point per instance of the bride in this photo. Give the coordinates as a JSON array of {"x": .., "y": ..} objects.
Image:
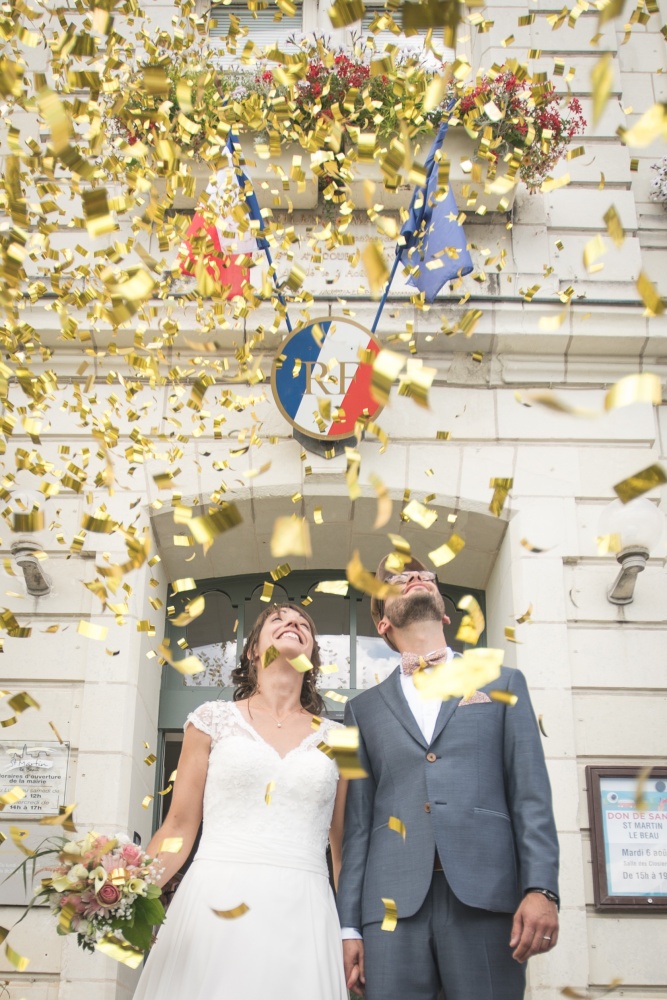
[{"x": 254, "y": 918}]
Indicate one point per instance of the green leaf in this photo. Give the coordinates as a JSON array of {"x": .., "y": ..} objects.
[
  {"x": 139, "y": 935},
  {"x": 150, "y": 910},
  {"x": 153, "y": 891}
]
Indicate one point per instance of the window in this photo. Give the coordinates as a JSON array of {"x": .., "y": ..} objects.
[{"x": 267, "y": 28}]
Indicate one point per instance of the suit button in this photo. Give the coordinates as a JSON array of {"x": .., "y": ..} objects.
[
  {"x": 427, "y": 807},
  {"x": 430, "y": 757}
]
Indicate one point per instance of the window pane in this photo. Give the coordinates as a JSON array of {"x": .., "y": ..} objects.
[
  {"x": 331, "y": 615},
  {"x": 212, "y": 638},
  {"x": 262, "y": 29}
]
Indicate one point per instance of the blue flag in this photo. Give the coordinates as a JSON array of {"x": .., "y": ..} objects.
[
  {"x": 431, "y": 230},
  {"x": 250, "y": 197}
]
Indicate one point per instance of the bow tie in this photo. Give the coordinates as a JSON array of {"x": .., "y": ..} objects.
[{"x": 411, "y": 662}]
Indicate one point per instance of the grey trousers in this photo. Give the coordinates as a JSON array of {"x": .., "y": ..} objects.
[{"x": 446, "y": 946}]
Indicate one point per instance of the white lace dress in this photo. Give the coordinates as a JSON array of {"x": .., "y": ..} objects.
[{"x": 270, "y": 857}]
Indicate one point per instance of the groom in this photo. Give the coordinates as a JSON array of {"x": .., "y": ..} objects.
[{"x": 474, "y": 881}]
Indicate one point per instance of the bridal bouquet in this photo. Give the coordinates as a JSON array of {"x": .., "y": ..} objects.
[{"x": 103, "y": 890}]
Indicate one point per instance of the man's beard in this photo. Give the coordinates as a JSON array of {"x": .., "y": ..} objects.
[{"x": 419, "y": 606}]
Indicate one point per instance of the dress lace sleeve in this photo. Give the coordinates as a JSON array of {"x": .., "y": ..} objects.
[{"x": 205, "y": 719}]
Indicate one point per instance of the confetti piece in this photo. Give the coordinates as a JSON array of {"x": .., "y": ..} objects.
[
  {"x": 146, "y": 801},
  {"x": 640, "y": 802},
  {"x": 329, "y": 668},
  {"x": 9, "y": 798},
  {"x": 18, "y": 835},
  {"x": 18, "y": 961},
  {"x": 187, "y": 583},
  {"x": 602, "y": 77},
  {"x": 120, "y": 951},
  {"x": 397, "y": 825},
  {"x": 336, "y": 587},
  {"x": 472, "y": 624},
  {"x": 501, "y": 488},
  {"x": 643, "y": 387},
  {"x": 64, "y": 818},
  {"x": 390, "y": 919},
  {"x": 267, "y": 593},
  {"x": 652, "y": 125},
  {"x": 92, "y": 631},
  {"x": 367, "y": 582},
  {"x": 270, "y": 788},
  {"x": 505, "y": 697},
  {"x": 544, "y": 397},
  {"x": 234, "y": 914},
  {"x": 460, "y": 677},
  {"x": 150, "y": 759},
  {"x": 425, "y": 517},
  {"x": 510, "y": 634},
  {"x": 540, "y": 722},
  {"x": 301, "y": 663},
  {"x": 187, "y": 665},
  {"x": 634, "y": 486},
  {"x": 291, "y": 537},
  {"x": 447, "y": 551},
  {"x": 385, "y": 503},
  {"x": 528, "y": 545},
  {"x": 655, "y": 305},
  {"x": 170, "y": 845},
  {"x": 191, "y": 611},
  {"x": 387, "y": 366},
  {"x": 525, "y": 617},
  {"x": 336, "y": 696}
]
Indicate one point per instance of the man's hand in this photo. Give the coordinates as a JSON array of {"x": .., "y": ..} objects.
[
  {"x": 535, "y": 927},
  {"x": 353, "y": 962}
]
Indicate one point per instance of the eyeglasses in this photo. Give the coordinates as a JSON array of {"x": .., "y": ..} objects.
[{"x": 402, "y": 578}]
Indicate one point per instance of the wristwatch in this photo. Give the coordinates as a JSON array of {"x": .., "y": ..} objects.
[{"x": 551, "y": 896}]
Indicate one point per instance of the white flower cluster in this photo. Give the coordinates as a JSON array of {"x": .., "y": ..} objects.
[{"x": 659, "y": 183}]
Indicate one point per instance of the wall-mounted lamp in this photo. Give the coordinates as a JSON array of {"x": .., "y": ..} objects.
[
  {"x": 638, "y": 526},
  {"x": 36, "y": 581}
]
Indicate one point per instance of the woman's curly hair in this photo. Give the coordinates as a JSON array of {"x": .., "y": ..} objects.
[{"x": 244, "y": 677}]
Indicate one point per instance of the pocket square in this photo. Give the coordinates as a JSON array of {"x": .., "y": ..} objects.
[{"x": 478, "y": 698}]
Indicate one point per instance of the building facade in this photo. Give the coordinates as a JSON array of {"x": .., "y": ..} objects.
[{"x": 597, "y": 671}]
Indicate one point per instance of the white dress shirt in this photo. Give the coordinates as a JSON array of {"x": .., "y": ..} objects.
[{"x": 425, "y": 712}]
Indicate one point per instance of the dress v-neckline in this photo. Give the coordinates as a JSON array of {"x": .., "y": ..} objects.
[{"x": 260, "y": 739}]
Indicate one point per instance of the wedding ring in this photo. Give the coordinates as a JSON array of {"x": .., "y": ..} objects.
[{"x": 545, "y": 937}]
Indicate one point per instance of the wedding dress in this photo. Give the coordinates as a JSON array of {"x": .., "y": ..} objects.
[{"x": 261, "y": 855}]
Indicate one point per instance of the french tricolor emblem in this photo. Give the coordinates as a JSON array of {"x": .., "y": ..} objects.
[{"x": 322, "y": 377}]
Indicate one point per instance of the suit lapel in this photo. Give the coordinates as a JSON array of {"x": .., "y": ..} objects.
[
  {"x": 447, "y": 710},
  {"x": 393, "y": 695}
]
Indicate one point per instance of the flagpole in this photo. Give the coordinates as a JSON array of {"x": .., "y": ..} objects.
[
  {"x": 250, "y": 202},
  {"x": 400, "y": 249}
]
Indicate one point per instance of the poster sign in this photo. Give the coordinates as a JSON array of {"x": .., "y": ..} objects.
[
  {"x": 629, "y": 837},
  {"x": 40, "y": 769},
  {"x": 321, "y": 378}
]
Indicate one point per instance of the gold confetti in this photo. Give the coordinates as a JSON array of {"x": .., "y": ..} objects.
[
  {"x": 18, "y": 961},
  {"x": 92, "y": 631},
  {"x": 336, "y": 696},
  {"x": 510, "y": 634},
  {"x": 528, "y": 545},
  {"x": 655, "y": 305},
  {"x": 269, "y": 656},
  {"x": 614, "y": 226},
  {"x": 643, "y": 776},
  {"x": 652, "y": 125},
  {"x": 270, "y": 788},
  {"x": 345, "y": 12},
  {"x": 385, "y": 504},
  {"x": 329, "y": 668},
  {"x": 187, "y": 665},
  {"x": 460, "y": 677},
  {"x": 397, "y": 825},
  {"x": 301, "y": 663},
  {"x": 14, "y": 795},
  {"x": 540, "y": 723},
  {"x": 425, "y": 517},
  {"x": 367, "y": 582},
  {"x": 291, "y": 537},
  {"x": 56, "y": 733},
  {"x": 191, "y": 611},
  {"x": 390, "y": 919},
  {"x": 342, "y": 745},
  {"x": 18, "y": 835},
  {"x": 150, "y": 759},
  {"x": 635, "y": 486},
  {"x": 267, "y": 593},
  {"x": 64, "y": 818},
  {"x": 337, "y": 587},
  {"x": 525, "y": 617},
  {"x": 120, "y": 951},
  {"x": 375, "y": 265},
  {"x": 472, "y": 623},
  {"x": 505, "y": 697},
  {"x": 501, "y": 488},
  {"x": 642, "y": 387},
  {"x": 544, "y": 397},
  {"x": 186, "y": 583},
  {"x": 602, "y": 76},
  {"x": 146, "y": 801},
  {"x": 447, "y": 551},
  {"x": 170, "y": 845},
  {"x": 387, "y": 366},
  {"x": 237, "y": 911}
]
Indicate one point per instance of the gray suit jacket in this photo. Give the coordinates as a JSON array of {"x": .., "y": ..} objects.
[{"x": 484, "y": 803}]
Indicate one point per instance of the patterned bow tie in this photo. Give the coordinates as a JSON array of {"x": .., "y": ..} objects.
[{"x": 411, "y": 662}]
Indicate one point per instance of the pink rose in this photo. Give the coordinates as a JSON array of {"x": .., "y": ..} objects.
[
  {"x": 109, "y": 895},
  {"x": 132, "y": 854}
]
